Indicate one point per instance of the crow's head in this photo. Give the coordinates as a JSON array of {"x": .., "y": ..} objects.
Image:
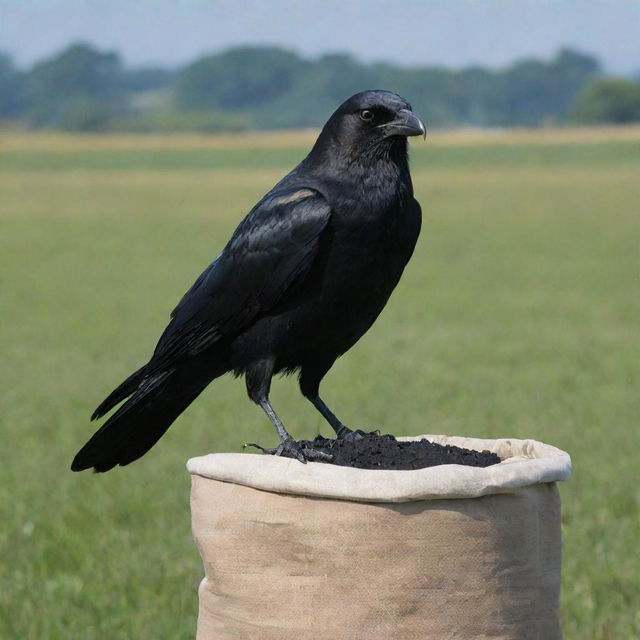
[
  {"x": 378, "y": 114},
  {"x": 369, "y": 124}
]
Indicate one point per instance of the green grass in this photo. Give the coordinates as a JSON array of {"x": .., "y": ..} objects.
[
  {"x": 180, "y": 158},
  {"x": 518, "y": 316}
]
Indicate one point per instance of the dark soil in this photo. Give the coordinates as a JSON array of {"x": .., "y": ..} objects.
[{"x": 373, "y": 451}]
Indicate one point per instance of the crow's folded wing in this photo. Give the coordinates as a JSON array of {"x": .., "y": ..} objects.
[{"x": 270, "y": 251}]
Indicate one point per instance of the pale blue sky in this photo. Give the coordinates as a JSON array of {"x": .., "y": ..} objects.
[{"x": 452, "y": 33}]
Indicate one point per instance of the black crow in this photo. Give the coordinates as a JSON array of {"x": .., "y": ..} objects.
[{"x": 303, "y": 277}]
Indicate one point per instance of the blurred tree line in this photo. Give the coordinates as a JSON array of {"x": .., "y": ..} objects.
[{"x": 84, "y": 89}]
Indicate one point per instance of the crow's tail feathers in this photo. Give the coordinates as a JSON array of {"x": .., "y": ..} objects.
[
  {"x": 155, "y": 402},
  {"x": 120, "y": 393}
]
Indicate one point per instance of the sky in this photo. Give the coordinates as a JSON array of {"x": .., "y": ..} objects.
[{"x": 451, "y": 33}]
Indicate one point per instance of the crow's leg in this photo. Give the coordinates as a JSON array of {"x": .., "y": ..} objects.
[
  {"x": 310, "y": 377},
  {"x": 340, "y": 429},
  {"x": 258, "y": 379}
]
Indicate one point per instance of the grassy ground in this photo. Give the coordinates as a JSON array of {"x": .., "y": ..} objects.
[{"x": 518, "y": 316}]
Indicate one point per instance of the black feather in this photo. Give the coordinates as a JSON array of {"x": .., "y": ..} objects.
[
  {"x": 138, "y": 424},
  {"x": 119, "y": 393}
]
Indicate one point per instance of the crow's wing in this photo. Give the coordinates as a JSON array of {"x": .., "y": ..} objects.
[{"x": 270, "y": 251}]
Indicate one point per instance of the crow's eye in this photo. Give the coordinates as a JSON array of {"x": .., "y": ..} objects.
[{"x": 367, "y": 115}]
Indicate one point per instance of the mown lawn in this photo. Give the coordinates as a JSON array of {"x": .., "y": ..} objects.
[{"x": 518, "y": 316}]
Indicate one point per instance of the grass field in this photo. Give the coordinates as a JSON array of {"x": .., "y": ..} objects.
[{"x": 518, "y": 316}]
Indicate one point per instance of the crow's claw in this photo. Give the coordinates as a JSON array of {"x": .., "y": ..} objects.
[
  {"x": 257, "y": 446},
  {"x": 313, "y": 454},
  {"x": 351, "y": 436},
  {"x": 358, "y": 434},
  {"x": 344, "y": 433},
  {"x": 291, "y": 449}
]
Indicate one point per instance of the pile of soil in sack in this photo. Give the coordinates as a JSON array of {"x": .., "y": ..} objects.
[{"x": 373, "y": 451}]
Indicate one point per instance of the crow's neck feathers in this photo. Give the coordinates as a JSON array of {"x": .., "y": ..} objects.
[{"x": 361, "y": 160}]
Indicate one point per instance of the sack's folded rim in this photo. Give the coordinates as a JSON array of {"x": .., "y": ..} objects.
[{"x": 524, "y": 463}]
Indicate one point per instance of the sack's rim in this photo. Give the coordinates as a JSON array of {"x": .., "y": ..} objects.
[{"x": 524, "y": 463}]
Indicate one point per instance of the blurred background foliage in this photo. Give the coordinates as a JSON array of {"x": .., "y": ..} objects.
[{"x": 264, "y": 87}]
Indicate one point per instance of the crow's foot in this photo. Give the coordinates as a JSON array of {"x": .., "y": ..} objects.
[
  {"x": 351, "y": 436},
  {"x": 289, "y": 448},
  {"x": 344, "y": 433}
]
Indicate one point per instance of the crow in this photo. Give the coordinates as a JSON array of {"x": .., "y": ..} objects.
[{"x": 303, "y": 277}]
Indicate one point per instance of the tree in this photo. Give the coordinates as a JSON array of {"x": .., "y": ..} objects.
[
  {"x": 608, "y": 100},
  {"x": 11, "y": 88},
  {"x": 266, "y": 87},
  {"x": 325, "y": 83},
  {"x": 79, "y": 89},
  {"x": 241, "y": 78},
  {"x": 534, "y": 91}
]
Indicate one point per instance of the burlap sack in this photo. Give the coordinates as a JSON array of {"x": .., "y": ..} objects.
[{"x": 322, "y": 552}]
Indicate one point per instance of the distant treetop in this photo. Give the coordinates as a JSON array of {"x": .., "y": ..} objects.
[{"x": 266, "y": 87}]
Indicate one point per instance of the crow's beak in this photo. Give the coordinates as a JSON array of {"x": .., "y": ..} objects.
[{"x": 406, "y": 124}]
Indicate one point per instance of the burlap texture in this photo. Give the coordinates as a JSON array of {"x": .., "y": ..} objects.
[
  {"x": 524, "y": 462},
  {"x": 281, "y": 566}
]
